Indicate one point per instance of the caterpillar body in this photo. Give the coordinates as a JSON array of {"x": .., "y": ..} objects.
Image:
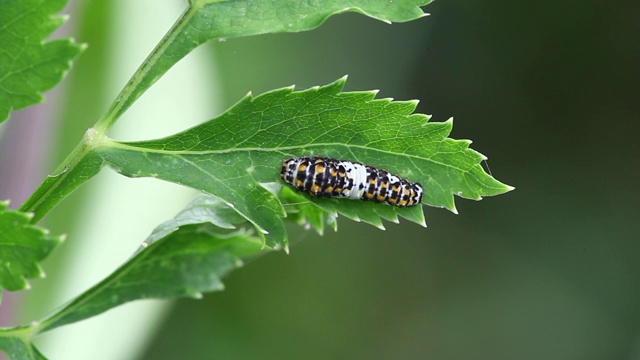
[{"x": 321, "y": 176}]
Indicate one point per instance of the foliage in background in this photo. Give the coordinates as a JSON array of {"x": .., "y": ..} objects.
[
  {"x": 234, "y": 157},
  {"x": 29, "y": 65}
]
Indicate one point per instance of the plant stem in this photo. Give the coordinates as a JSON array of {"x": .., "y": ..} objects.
[
  {"x": 55, "y": 187},
  {"x": 23, "y": 332},
  {"x": 142, "y": 79},
  {"x": 69, "y": 174}
]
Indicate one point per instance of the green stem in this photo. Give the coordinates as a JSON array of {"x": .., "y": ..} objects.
[
  {"x": 23, "y": 332},
  {"x": 141, "y": 79},
  {"x": 55, "y": 187},
  {"x": 69, "y": 174}
]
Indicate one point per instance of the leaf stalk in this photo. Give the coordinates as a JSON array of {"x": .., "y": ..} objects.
[{"x": 144, "y": 77}]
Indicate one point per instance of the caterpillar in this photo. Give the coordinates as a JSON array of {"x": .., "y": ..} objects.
[{"x": 321, "y": 176}]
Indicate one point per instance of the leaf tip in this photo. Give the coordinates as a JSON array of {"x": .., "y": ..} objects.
[
  {"x": 339, "y": 84},
  {"x": 332, "y": 220},
  {"x": 452, "y": 207},
  {"x": 279, "y": 247}
]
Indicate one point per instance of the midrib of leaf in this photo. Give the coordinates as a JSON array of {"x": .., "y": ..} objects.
[
  {"x": 280, "y": 149},
  {"x": 229, "y": 188}
]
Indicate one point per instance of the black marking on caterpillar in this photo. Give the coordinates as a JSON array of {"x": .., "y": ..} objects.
[{"x": 320, "y": 176}]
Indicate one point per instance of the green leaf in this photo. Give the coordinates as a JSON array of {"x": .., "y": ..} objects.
[
  {"x": 202, "y": 209},
  {"x": 304, "y": 212},
  {"x": 22, "y": 246},
  {"x": 233, "y": 155},
  {"x": 205, "y": 20},
  {"x": 224, "y": 19},
  {"x": 29, "y": 65},
  {"x": 185, "y": 256},
  {"x": 18, "y": 348}
]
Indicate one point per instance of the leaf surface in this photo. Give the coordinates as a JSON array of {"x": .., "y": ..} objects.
[
  {"x": 206, "y": 20},
  {"x": 22, "y": 246},
  {"x": 233, "y": 155},
  {"x": 17, "y": 348},
  {"x": 185, "y": 256},
  {"x": 304, "y": 212},
  {"x": 29, "y": 65}
]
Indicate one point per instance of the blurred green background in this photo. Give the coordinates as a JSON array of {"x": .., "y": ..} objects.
[{"x": 549, "y": 91}]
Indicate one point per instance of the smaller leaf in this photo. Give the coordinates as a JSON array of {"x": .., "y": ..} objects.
[
  {"x": 304, "y": 212},
  {"x": 203, "y": 209},
  {"x": 206, "y": 20},
  {"x": 22, "y": 246},
  {"x": 28, "y": 64},
  {"x": 18, "y": 348},
  {"x": 185, "y": 256}
]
